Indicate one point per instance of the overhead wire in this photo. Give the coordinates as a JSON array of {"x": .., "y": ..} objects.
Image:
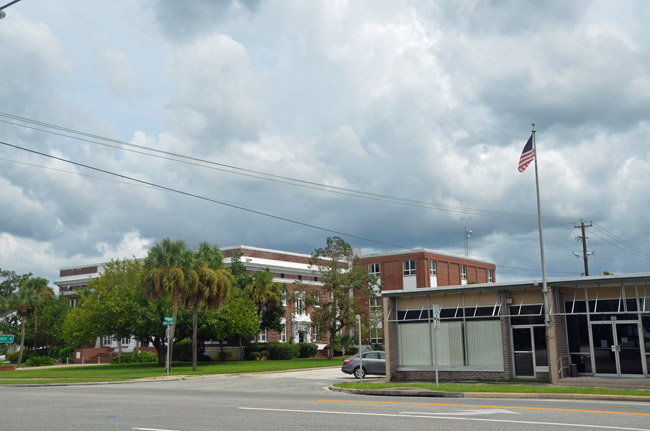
[
  {"x": 181, "y": 192},
  {"x": 130, "y": 183},
  {"x": 176, "y": 157}
]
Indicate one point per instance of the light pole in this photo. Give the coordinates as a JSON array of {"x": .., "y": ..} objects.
[{"x": 3, "y": 14}]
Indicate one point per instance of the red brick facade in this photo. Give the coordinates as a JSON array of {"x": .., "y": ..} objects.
[{"x": 448, "y": 269}]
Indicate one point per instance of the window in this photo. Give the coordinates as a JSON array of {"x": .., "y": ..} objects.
[
  {"x": 300, "y": 303},
  {"x": 373, "y": 269},
  {"x": 281, "y": 275},
  {"x": 126, "y": 341},
  {"x": 315, "y": 278},
  {"x": 73, "y": 303},
  {"x": 316, "y": 337},
  {"x": 377, "y": 336},
  {"x": 375, "y": 304},
  {"x": 409, "y": 267},
  {"x": 432, "y": 267},
  {"x": 316, "y": 298},
  {"x": 107, "y": 341},
  {"x": 284, "y": 296},
  {"x": 490, "y": 276},
  {"x": 300, "y": 277},
  {"x": 261, "y": 337},
  {"x": 463, "y": 272},
  {"x": 283, "y": 334}
]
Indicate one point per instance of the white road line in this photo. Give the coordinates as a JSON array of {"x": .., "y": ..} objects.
[
  {"x": 465, "y": 412},
  {"x": 151, "y": 429},
  {"x": 398, "y": 415}
]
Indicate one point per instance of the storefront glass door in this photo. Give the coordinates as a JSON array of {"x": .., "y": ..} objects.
[{"x": 617, "y": 348}]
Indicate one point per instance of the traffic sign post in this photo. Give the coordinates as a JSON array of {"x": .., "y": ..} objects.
[
  {"x": 436, "y": 327},
  {"x": 6, "y": 339}
]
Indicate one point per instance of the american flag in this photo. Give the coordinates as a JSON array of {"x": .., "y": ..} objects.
[{"x": 527, "y": 155}]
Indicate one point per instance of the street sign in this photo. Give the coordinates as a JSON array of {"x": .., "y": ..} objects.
[
  {"x": 168, "y": 321},
  {"x": 6, "y": 338},
  {"x": 436, "y": 317}
]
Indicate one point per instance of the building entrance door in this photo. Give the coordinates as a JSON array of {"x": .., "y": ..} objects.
[
  {"x": 529, "y": 350},
  {"x": 617, "y": 348}
]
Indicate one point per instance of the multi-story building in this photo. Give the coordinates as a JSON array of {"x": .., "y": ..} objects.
[
  {"x": 404, "y": 270},
  {"x": 291, "y": 270},
  {"x": 410, "y": 270}
]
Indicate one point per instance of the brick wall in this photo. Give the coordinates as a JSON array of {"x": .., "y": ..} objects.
[
  {"x": 448, "y": 269},
  {"x": 78, "y": 271}
]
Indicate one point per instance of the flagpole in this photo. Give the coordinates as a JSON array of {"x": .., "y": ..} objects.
[{"x": 547, "y": 316}]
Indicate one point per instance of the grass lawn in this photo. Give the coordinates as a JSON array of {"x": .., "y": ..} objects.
[
  {"x": 121, "y": 372},
  {"x": 508, "y": 388}
]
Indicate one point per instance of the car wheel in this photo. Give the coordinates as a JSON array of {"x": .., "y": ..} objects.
[{"x": 359, "y": 373}]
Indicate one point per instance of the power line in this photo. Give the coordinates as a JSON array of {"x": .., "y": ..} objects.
[
  {"x": 176, "y": 157},
  {"x": 202, "y": 197},
  {"x": 156, "y": 188}
]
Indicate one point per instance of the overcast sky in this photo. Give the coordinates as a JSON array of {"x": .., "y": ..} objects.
[{"x": 427, "y": 104}]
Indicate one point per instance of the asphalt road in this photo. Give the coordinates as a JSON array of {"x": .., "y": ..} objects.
[{"x": 290, "y": 401}]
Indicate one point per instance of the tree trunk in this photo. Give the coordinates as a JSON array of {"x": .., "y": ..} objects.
[
  {"x": 194, "y": 337},
  {"x": 241, "y": 349},
  {"x": 22, "y": 340},
  {"x": 119, "y": 346},
  {"x": 160, "y": 350}
]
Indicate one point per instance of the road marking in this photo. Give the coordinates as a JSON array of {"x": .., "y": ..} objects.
[
  {"x": 464, "y": 412},
  {"x": 450, "y": 418},
  {"x": 550, "y": 409},
  {"x": 151, "y": 429}
]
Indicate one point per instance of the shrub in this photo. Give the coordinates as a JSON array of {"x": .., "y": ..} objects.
[
  {"x": 38, "y": 361},
  {"x": 264, "y": 354},
  {"x": 224, "y": 356},
  {"x": 351, "y": 351},
  {"x": 130, "y": 358},
  {"x": 377, "y": 346},
  {"x": 183, "y": 351},
  {"x": 255, "y": 356},
  {"x": 66, "y": 352},
  {"x": 307, "y": 350},
  {"x": 12, "y": 357},
  {"x": 257, "y": 347},
  {"x": 283, "y": 350},
  {"x": 337, "y": 350}
]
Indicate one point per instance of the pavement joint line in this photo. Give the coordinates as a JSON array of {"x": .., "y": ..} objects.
[
  {"x": 486, "y": 406},
  {"x": 450, "y": 418}
]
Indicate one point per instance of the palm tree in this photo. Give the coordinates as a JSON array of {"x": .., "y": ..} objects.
[
  {"x": 31, "y": 294},
  {"x": 208, "y": 284},
  {"x": 165, "y": 267},
  {"x": 267, "y": 297}
]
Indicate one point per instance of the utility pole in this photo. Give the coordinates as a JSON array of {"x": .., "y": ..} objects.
[{"x": 583, "y": 237}]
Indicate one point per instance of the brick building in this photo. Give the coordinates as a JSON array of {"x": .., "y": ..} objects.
[{"x": 600, "y": 325}]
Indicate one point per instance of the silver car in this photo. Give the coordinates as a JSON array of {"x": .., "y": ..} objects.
[{"x": 372, "y": 363}]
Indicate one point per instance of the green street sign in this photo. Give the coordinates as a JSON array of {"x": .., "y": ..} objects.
[
  {"x": 168, "y": 321},
  {"x": 6, "y": 338}
]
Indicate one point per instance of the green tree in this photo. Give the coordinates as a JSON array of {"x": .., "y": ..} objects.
[
  {"x": 116, "y": 305},
  {"x": 346, "y": 282},
  {"x": 208, "y": 284},
  {"x": 31, "y": 294},
  {"x": 241, "y": 278},
  {"x": 165, "y": 267},
  {"x": 11, "y": 282},
  {"x": 237, "y": 318},
  {"x": 48, "y": 333},
  {"x": 267, "y": 297}
]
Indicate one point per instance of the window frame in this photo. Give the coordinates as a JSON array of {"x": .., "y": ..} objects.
[
  {"x": 408, "y": 270},
  {"x": 433, "y": 267}
]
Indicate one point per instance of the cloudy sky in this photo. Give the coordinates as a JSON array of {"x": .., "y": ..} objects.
[{"x": 394, "y": 124}]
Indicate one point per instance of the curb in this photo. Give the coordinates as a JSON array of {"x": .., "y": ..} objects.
[
  {"x": 414, "y": 392},
  {"x": 400, "y": 392}
]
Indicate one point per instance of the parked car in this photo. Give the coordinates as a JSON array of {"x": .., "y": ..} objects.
[{"x": 372, "y": 363}]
